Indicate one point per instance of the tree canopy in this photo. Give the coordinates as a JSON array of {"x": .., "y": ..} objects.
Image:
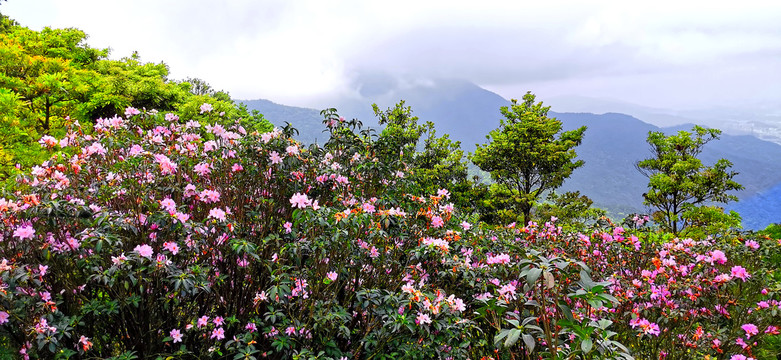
[
  {"x": 50, "y": 79},
  {"x": 680, "y": 186},
  {"x": 529, "y": 154}
]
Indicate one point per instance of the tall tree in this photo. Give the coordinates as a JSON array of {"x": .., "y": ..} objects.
[
  {"x": 679, "y": 184},
  {"x": 529, "y": 154}
]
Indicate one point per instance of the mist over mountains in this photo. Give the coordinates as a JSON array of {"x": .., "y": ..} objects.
[{"x": 612, "y": 145}]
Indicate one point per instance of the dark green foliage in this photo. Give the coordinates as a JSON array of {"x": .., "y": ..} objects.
[
  {"x": 569, "y": 208},
  {"x": 50, "y": 79},
  {"x": 529, "y": 154},
  {"x": 680, "y": 185}
]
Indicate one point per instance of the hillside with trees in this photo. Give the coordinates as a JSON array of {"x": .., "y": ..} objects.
[{"x": 157, "y": 219}]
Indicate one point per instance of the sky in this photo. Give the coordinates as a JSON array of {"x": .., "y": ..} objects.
[{"x": 662, "y": 54}]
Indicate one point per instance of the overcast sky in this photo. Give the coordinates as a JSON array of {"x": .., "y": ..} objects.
[{"x": 669, "y": 54}]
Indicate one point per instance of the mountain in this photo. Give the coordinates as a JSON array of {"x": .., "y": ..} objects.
[
  {"x": 308, "y": 121},
  {"x": 613, "y": 144},
  {"x": 611, "y": 147}
]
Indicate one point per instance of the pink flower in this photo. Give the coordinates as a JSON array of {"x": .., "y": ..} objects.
[
  {"x": 646, "y": 327},
  {"x": 750, "y": 330},
  {"x": 437, "y": 222},
  {"x": 172, "y": 247},
  {"x": 507, "y": 291},
  {"x": 752, "y": 244},
  {"x": 202, "y": 169},
  {"x": 292, "y": 150},
  {"x": 203, "y": 321},
  {"x": 169, "y": 205},
  {"x": 331, "y": 275},
  {"x": 300, "y": 201},
  {"x": 722, "y": 278},
  {"x": 217, "y": 214},
  {"x": 218, "y": 334},
  {"x": 740, "y": 273},
  {"x": 738, "y": 357},
  {"x": 274, "y": 158},
  {"x": 210, "y": 145},
  {"x": 3, "y": 317},
  {"x": 498, "y": 259},
  {"x": 167, "y": 166},
  {"x": 368, "y": 208},
  {"x": 290, "y": 330},
  {"x": 130, "y": 111},
  {"x": 206, "y": 107},
  {"x": 135, "y": 150},
  {"x": 237, "y": 167},
  {"x": 176, "y": 335},
  {"x": 48, "y": 141},
  {"x": 144, "y": 250},
  {"x": 218, "y": 321},
  {"x": 209, "y": 196},
  {"x": 24, "y": 232},
  {"x": 718, "y": 256},
  {"x": 423, "y": 319},
  {"x": 456, "y": 304},
  {"x": 288, "y": 227},
  {"x": 182, "y": 217},
  {"x": 251, "y": 327},
  {"x": 466, "y": 226}
]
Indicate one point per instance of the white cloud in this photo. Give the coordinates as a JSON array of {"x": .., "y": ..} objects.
[{"x": 661, "y": 53}]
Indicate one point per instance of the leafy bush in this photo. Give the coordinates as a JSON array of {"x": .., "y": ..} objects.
[{"x": 192, "y": 238}]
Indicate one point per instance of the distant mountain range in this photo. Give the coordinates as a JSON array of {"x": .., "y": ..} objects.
[{"x": 612, "y": 145}]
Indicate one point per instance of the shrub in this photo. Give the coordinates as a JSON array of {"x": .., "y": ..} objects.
[{"x": 194, "y": 239}]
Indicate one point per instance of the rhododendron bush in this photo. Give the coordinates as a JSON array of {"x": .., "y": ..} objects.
[{"x": 161, "y": 236}]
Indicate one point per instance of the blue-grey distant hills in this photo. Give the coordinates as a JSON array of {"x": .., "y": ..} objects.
[{"x": 612, "y": 145}]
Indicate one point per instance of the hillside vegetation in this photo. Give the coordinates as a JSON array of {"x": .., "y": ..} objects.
[{"x": 156, "y": 227}]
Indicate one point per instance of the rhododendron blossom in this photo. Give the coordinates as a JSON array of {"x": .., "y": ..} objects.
[
  {"x": 218, "y": 334},
  {"x": 300, "y": 201},
  {"x": 176, "y": 335},
  {"x": 719, "y": 256},
  {"x": 24, "y": 232},
  {"x": 274, "y": 158},
  {"x": 740, "y": 273},
  {"x": 498, "y": 259},
  {"x": 750, "y": 330},
  {"x": 144, "y": 251}
]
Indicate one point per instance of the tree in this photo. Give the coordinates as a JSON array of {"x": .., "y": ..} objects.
[
  {"x": 51, "y": 78},
  {"x": 529, "y": 154},
  {"x": 680, "y": 186}
]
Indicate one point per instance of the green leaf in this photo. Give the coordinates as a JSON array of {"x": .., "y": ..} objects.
[
  {"x": 529, "y": 341},
  {"x": 512, "y": 338},
  {"x": 533, "y": 275},
  {"x": 586, "y": 345}
]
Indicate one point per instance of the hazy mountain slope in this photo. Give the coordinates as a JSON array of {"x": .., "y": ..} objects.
[
  {"x": 611, "y": 146},
  {"x": 307, "y": 121},
  {"x": 760, "y": 210}
]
